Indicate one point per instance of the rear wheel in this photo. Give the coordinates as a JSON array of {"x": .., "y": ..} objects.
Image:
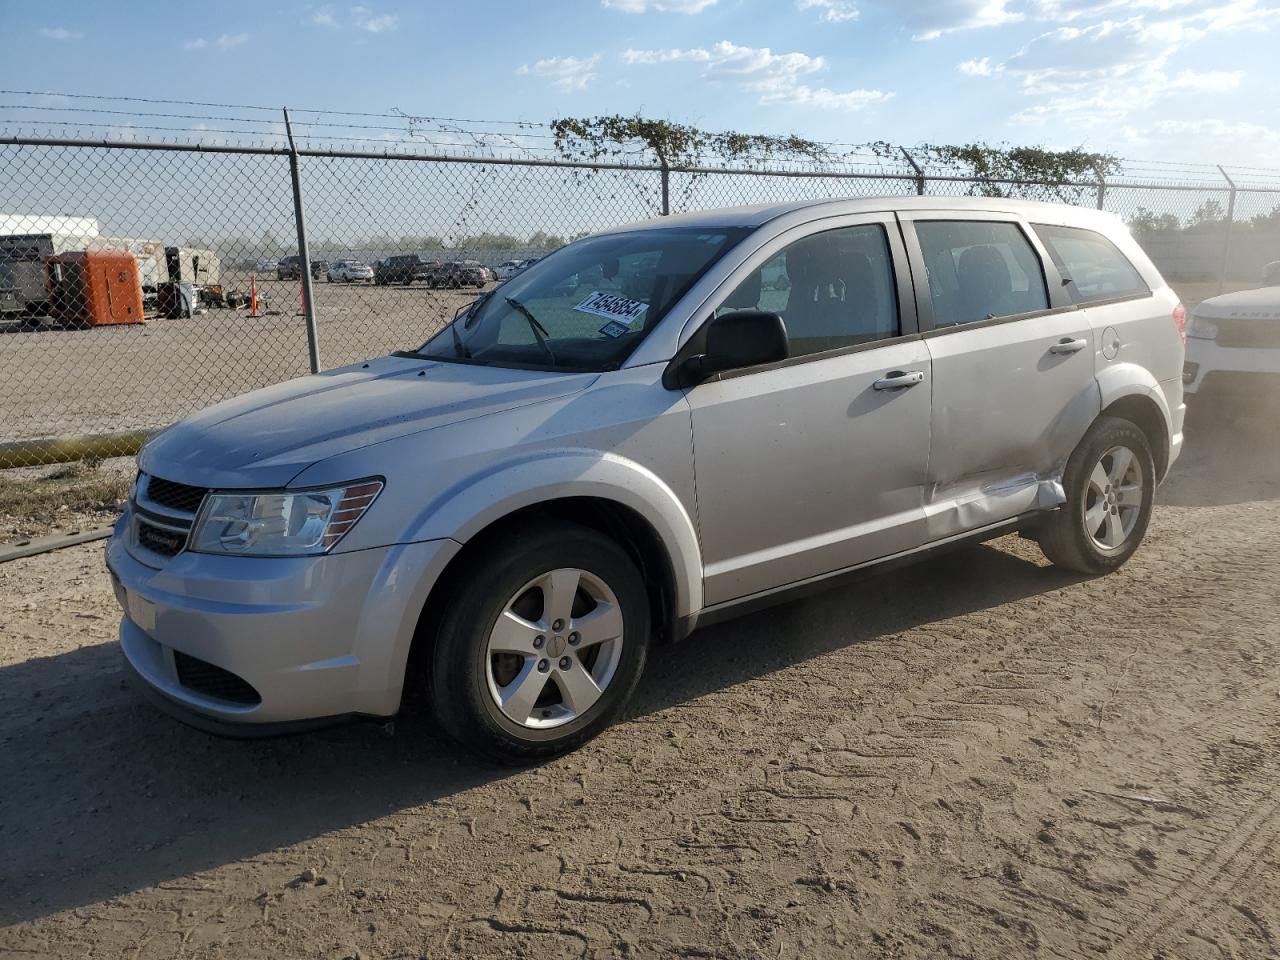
[
  {"x": 543, "y": 645},
  {"x": 1110, "y": 486}
]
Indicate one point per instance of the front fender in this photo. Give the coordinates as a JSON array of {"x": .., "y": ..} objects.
[{"x": 469, "y": 506}]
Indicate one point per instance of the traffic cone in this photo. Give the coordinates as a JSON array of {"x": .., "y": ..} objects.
[{"x": 253, "y": 295}]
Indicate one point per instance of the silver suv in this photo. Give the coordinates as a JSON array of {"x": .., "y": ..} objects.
[{"x": 653, "y": 428}]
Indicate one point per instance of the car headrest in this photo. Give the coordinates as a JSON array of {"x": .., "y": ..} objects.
[{"x": 982, "y": 269}]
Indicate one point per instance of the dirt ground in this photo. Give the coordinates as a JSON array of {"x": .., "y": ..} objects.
[
  {"x": 64, "y": 382},
  {"x": 976, "y": 757}
]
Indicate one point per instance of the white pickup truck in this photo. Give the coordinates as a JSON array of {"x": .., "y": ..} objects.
[{"x": 1233, "y": 347}]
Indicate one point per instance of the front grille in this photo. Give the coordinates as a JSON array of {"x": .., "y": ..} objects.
[
  {"x": 205, "y": 678},
  {"x": 1249, "y": 333},
  {"x": 160, "y": 540},
  {"x": 175, "y": 496}
]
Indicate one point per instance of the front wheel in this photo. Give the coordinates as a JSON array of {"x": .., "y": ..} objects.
[
  {"x": 543, "y": 644},
  {"x": 1110, "y": 487}
]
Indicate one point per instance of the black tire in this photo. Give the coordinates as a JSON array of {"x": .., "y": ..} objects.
[
  {"x": 1064, "y": 536},
  {"x": 457, "y": 681}
]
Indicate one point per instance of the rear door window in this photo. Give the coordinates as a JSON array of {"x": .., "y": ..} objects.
[
  {"x": 980, "y": 270},
  {"x": 1095, "y": 268}
]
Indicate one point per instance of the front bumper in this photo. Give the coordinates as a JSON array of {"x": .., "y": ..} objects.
[
  {"x": 313, "y": 638},
  {"x": 1230, "y": 371}
]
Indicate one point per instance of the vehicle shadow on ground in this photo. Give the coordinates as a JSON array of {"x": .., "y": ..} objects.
[
  {"x": 103, "y": 795},
  {"x": 1228, "y": 457}
]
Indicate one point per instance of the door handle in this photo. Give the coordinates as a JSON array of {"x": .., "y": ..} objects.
[
  {"x": 899, "y": 380},
  {"x": 1068, "y": 345}
]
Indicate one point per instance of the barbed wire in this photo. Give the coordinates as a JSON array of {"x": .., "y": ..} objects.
[{"x": 470, "y": 136}]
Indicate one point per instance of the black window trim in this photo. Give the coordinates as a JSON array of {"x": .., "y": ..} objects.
[
  {"x": 899, "y": 265},
  {"x": 1070, "y": 285},
  {"x": 1059, "y": 300}
]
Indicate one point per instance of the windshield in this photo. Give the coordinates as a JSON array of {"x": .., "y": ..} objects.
[{"x": 586, "y": 306}]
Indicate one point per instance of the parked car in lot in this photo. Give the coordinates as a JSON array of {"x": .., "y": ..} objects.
[
  {"x": 1233, "y": 349},
  {"x": 462, "y": 273},
  {"x": 507, "y": 269},
  {"x": 349, "y": 271},
  {"x": 405, "y": 269},
  {"x": 290, "y": 268},
  {"x": 265, "y": 265},
  {"x": 530, "y": 504}
]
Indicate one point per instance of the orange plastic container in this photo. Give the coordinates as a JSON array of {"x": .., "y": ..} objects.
[{"x": 94, "y": 288}]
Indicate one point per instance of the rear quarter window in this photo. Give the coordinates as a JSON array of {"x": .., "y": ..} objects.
[{"x": 1096, "y": 268}]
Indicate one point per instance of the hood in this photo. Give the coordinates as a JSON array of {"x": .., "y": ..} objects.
[
  {"x": 1260, "y": 304},
  {"x": 266, "y": 438}
]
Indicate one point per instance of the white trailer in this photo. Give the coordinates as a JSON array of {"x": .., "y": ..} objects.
[
  {"x": 28, "y": 223},
  {"x": 24, "y": 254}
]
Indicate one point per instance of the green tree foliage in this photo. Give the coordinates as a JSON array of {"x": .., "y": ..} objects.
[
  {"x": 541, "y": 240},
  {"x": 618, "y": 138},
  {"x": 1145, "y": 223},
  {"x": 1005, "y": 170}
]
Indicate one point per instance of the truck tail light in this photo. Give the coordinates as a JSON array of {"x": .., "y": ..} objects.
[{"x": 1180, "y": 321}]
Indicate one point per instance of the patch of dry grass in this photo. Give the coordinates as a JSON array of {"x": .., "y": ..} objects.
[{"x": 68, "y": 495}]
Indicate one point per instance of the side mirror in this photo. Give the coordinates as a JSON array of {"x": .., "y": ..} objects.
[{"x": 747, "y": 338}]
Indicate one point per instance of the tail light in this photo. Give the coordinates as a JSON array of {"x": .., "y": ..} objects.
[{"x": 1180, "y": 321}]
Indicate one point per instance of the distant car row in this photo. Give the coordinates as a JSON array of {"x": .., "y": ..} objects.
[{"x": 403, "y": 269}]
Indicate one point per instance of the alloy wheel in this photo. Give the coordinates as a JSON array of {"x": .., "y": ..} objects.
[
  {"x": 554, "y": 648},
  {"x": 1113, "y": 501}
]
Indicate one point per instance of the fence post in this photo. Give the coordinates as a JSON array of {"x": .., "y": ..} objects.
[
  {"x": 919, "y": 173},
  {"x": 665, "y": 173},
  {"x": 1102, "y": 191},
  {"x": 1226, "y": 240},
  {"x": 304, "y": 256}
]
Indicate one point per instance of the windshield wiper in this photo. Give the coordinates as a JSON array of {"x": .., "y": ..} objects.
[
  {"x": 469, "y": 310},
  {"x": 459, "y": 347},
  {"x": 539, "y": 331}
]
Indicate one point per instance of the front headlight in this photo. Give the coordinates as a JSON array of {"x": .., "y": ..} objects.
[
  {"x": 1202, "y": 328},
  {"x": 280, "y": 523}
]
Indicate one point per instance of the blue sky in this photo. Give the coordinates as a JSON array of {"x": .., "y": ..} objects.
[{"x": 1193, "y": 80}]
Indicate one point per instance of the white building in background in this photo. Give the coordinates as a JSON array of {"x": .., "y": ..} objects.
[{"x": 23, "y": 223}]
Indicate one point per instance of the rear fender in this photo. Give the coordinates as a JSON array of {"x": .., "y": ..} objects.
[{"x": 1117, "y": 381}]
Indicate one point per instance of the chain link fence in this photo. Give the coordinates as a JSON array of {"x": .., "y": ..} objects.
[{"x": 140, "y": 282}]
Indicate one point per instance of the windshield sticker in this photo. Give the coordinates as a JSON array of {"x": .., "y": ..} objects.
[
  {"x": 615, "y": 329},
  {"x": 612, "y": 307}
]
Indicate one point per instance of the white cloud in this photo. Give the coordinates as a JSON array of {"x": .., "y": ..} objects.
[
  {"x": 564, "y": 73},
  {"x": 226, "y": 41},
  {"x": 662, "y": 6},
  {"x": 325, "y": 17},
  {"x": 1099, "y": 73},
  {"x": 977, "y": 68},
  {"x": 776, "y": 77},
  {"x": 1208, "y": 81},
  {"x": 61, "y": 33},
  {"x": 1220, "y": 131},
  {"x": 832, "y": 11},
  {"x": 372, "y": 22},
  {"x": 930, "y": 19},
  {"x": 673, "y": 55},
  {"x": 726, "y": 57},
  {"x": 802, "y": 95}
]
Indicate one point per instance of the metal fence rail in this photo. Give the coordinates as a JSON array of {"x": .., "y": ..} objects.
[{"x": 206, "y": 233}]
